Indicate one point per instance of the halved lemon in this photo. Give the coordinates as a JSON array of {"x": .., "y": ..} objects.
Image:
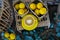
[
  {"x": 32, "y": 6},
  {"x": 20, "y": 11},
  {"x": 22, "y": 5},
  {"x": 6, "y": 34},
  {"x": 37, "y": 11},
  {"x": 43, "y": 11},
  {"x": 12, "y": 36},
  {"x": 17, "y": 6},
  {"x": 39, "y": 5}
]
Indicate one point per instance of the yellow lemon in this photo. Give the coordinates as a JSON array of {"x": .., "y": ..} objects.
[
  {"x": 43, "y": 11},
  {"x": 20, "y": 11},
  {"x": 6, "y": 34},
  {"x": 17, "y": 6},
  {"x": 12, "y": 36},
  {"x": 37, "y": 11},
  {"x": 10, "y": 39},
  {"x": 25, "y": 10},
  {"x": 21, "y": 5},
  {"x": 32, "y": 6},
  {"x": 39, "y": 5}
]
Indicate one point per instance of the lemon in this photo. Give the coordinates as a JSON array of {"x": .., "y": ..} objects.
[
  {"x": 43, "y": 11},
  {"x": 20, "y": 11},
  {"x": 25, "y": 10},
  {"x": 32, "y": 6},
  {"x": 37, "y": 11},
  {"x": 39, "y": 5},
  {"x": 12, "y": 36},
  {"x": 6, "y": 34},
  {"x": 21, "y": 5},
  {"x": 10, "y": 39},
  {"x": 17, "y": 6}
]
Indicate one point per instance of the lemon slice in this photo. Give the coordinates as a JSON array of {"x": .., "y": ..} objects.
[{"x": 29, "y": 22}]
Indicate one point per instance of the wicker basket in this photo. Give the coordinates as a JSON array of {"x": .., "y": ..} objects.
[
  {"x": 18, "y": 17},
  {"x": 6, "y": 17},
  {"x": 41, "y": 23}
]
